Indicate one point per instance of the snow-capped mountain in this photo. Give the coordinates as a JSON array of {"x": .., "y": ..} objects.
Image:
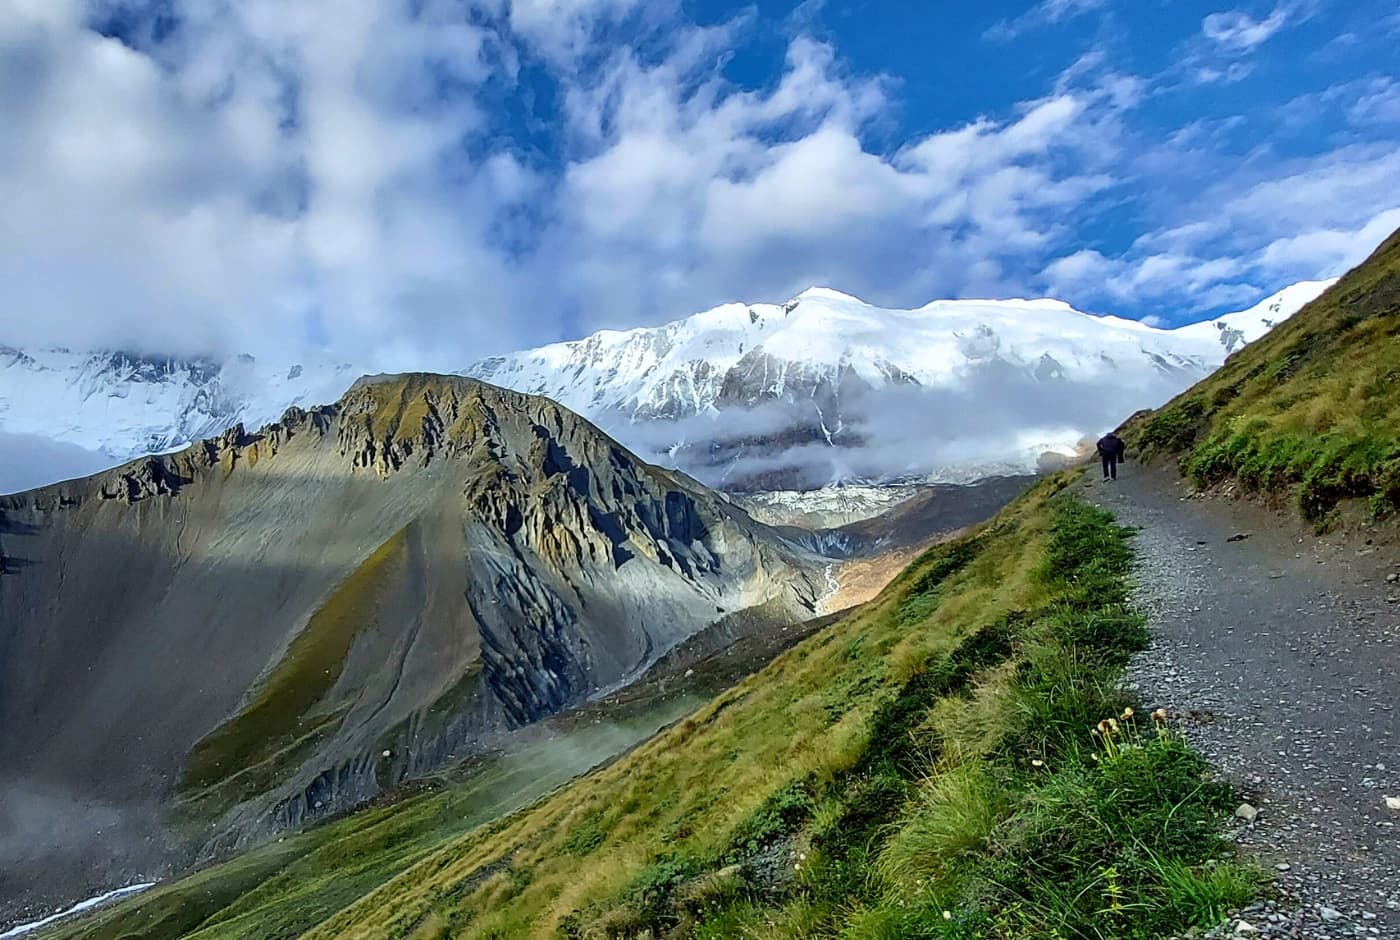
[
  {"x": 741, "y": 354},
  {"x": 1234, "y": 330},
  {"x": 828, "y": 388},
  {"x": 824, "y": 388},
  {"x": 65, "y": 413}
]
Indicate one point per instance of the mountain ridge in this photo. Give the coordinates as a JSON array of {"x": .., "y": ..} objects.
[
  {"x": 921, "y": 764},
  {"x": 826, "y": 387},
  {"x": 795, "y": 401}
]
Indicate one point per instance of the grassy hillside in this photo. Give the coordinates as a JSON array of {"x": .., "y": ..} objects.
[
  {"x": 1310, "y": 412},
  {"x": 953, "y": 760}
]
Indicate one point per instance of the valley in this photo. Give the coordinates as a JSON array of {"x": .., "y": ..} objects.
[
  {"x": 297, "y": 618},
  {"x": 608, "y": 470},
  {"x": 430, "y": 583},
  {"x": 893, "y": 765},
  {"x": 513, "y": 621}
]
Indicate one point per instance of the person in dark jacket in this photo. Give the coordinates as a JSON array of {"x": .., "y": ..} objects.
[{"x": 1111, "y": 451}]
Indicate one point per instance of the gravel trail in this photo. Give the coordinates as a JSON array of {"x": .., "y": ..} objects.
[{"x": 1283, "y": 652}]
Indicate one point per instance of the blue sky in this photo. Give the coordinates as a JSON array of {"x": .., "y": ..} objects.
[{"x": 426, "y": 181}]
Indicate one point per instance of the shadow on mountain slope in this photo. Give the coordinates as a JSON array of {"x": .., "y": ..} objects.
[{"x": 276, "y": 626}]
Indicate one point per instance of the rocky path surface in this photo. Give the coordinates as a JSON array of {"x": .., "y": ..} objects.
[{"x": 1282, "y": 651}]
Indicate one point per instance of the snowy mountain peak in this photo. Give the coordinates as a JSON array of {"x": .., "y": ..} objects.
[
  {"x": 88, "y": 411},
  {"x": 1234, "y": 330},
  {"x": 827, "y": 294}
]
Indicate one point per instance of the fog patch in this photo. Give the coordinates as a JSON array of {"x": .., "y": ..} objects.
[
  {"x": 999, "y": 418},
  {"x": 58, "y": 846},
  {"x": 28, "y": 460}
]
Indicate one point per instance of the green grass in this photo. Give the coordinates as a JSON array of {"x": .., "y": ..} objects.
[
  {"x": 1308, "y": 414},
  {"x": 958, "y": 775},
  {"x": 947, "y": 825}
]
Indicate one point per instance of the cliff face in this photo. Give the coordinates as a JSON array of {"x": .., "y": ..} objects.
[{"x": 274, "y": 625}]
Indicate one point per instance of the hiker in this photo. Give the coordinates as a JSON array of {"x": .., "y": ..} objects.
[{"x": 1111, "y": 450}]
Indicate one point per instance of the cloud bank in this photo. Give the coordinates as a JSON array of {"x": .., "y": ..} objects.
[{"x": 428, "y": 182}]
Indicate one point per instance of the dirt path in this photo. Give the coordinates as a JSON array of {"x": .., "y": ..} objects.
[{"x": 1287, "y": 650}]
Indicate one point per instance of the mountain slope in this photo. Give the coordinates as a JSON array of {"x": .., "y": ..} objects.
[
  {"x": 1311, "y": 412},
  {"x": 924, "y": 754},
  {"x": 987, "y": 385},
  {"x": 919, "y": 768},
  {"x": 269, "y": 627}
]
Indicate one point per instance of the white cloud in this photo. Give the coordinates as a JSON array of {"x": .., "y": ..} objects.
[
  {"x": 1368, "y": 103},
  {"x": 1340, "y": 188},
  {"x": 1222, "y": 75},
  {"x": 1377, "y": 103},
  {"x": 1151, "y": 277},
  {"x": 1224, "y": 53},
  {"x": 264, "y": 170},
  {"x": 270, "y": 175},
  {"x": 28, "y": 460},
  {"x": 563, "y": 30},
  {"x": 1324, "y": 252},
  {"x": 1313, "y": 220},
  {"x": 1044, "y": 13},
  {"x": 690, "y": 185},
  {"x": 1237, "y": 31}
]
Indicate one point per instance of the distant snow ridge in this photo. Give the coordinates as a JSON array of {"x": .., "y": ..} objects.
[
  {"x": 739, "y": 354},
  {"x": 824, "y": 389},
  {"x": 117, "y": 405},
  {"x": 1234, "y": 330},
  {"x": 832, "y": 505}
]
